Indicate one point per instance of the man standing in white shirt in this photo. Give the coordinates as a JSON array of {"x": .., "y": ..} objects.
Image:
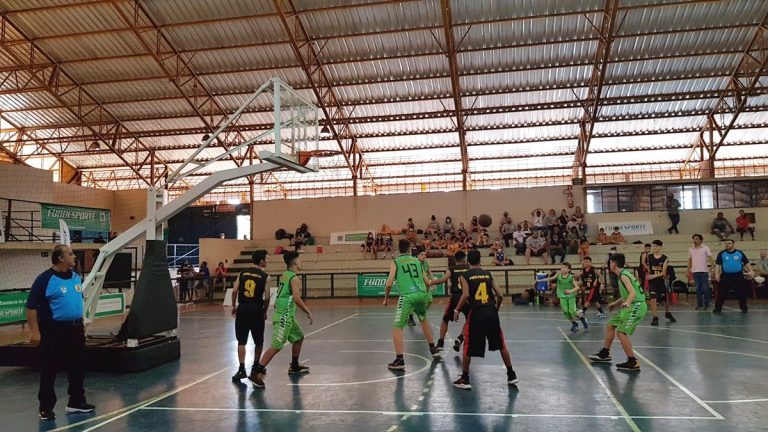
[{"x": 699, "y": 262}]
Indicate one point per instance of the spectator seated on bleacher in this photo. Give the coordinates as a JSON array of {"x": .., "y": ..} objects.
[
  {"x": 408, "y": 226},
  {"x": 462, "y": 233},
  {"x": 563, "y": 220},
  {"x": 527, "y": 227},
  {"x": 474, "y": 226},
  {"x": 368, "y": 247},
  {"x": 571, "y": 224},
  {"x": 500, "y": 259},
  {"x": 433, "y": 227},
  {"x": 219, "y": 276},
  {"x": 743, "y": 225},
  {"x": 483, "y": 239},
  {"x": 448, "y": 227},
  {"x": 557, "y": 244},
  {"x": 602, "y": 237},
  {"x": 203, "y": 275},
  {"x": 302, "y": 237},
  {"x": 518, "y": 241},
  {"x": 536, "y": 245},
  {"x": 579, "y": 216},
  {"x": 550, "y": 220},
  {"x": 617, "y": 238},
  {"x": 507, "y": 233},
  {"x": 721, "y": 227},
  {"x": 761, "y": 265},
  {"x": 573, "y": 240},
  {"x": 469, "y": 244},
  {"x": 505, "y": 220},
  {"x": 538, "y": 220},
  {"x": 379, "y": 245},
  {"x": 583, "y": 247}
]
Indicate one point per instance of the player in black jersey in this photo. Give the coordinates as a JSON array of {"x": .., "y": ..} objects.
[
  {"x": 482, "y": 294},
  {"x": 250, "y": 302},
  {"x": 460, "y": 266},
  {"x": 591, "y": 283},
  {"x": 657, "y": 282}
]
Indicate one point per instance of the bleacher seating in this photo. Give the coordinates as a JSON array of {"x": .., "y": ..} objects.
[{"x": 345, "y": 261}]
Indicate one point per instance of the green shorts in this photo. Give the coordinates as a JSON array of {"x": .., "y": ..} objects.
[
  {"x": 568, "y": 305},
  {"x": 407, "y": 304},
  {"x": 627, "y": 319},
  {"x": 285, "y": 329}
]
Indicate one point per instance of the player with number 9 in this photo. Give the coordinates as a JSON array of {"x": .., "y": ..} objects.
[{"x": 250, "y": 301}]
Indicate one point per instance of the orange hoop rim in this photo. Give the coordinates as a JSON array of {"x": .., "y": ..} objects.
[{"x": 305, "y": 156}]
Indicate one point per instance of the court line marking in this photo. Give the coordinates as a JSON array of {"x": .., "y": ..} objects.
[
  {"x": 141, "y": 405},
  {"x": 392, "y": 378},
  {"x": 708, "y": 334},
  {"x": 630, "y": 422},
  {"x": 680, "y": 386},
  {"x": 424, "y": 413},
  {"x": 738, "y": 401},
  {"x": 703, "y": 349}
]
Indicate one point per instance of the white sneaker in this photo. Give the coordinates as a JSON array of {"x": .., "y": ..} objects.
[{"x": 601, "y": 316}]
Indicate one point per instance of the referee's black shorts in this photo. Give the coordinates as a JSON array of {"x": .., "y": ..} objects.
[
  {"x": 249, "y": 320},
  {"x": 483, "y": 324}
]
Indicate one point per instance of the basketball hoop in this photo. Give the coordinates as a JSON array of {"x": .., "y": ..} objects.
[{"x": 305, "y": 156}]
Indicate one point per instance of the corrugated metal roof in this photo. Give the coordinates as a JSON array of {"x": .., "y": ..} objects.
[
  {"x": 44, "y": 22},
  {"x": 686, "y": 16},
  {"x": 181, "y": 11}
]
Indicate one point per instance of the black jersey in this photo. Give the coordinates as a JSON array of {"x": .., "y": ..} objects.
[
  {"x": 481, "y": 292},
  {"x": 590, "y": 279},
  {"x": 456, "y": 271},
  {"x": 657, "y": 267},
  {"x": 253, "y": 283}
]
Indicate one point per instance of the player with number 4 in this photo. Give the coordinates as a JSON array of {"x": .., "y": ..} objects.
[{"x": 480, "y": 291}]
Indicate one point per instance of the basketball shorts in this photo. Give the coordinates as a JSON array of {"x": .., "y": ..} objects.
[
  {"x": 594, "y": 296},
  {"x": 286, "y": 329},
  {"x": 411, "y": 303},
  {"x": 451, "y": 306},
  {"x": 249, "y": 320},
  {"x": 568, "y": 305},
  {"x": 627, "y": 319},
  {"x": 482, "y": 324},
  {"x": 658, "y": 291}
]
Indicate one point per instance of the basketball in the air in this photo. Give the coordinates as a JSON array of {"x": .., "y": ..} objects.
[{"x": 484, "y": 220}]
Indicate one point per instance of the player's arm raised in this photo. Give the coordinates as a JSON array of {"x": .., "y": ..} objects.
[
  {"x": 390, "y": 281},
  {"x": 296, "y": 293},
  {"x": 463, "y": 298}
]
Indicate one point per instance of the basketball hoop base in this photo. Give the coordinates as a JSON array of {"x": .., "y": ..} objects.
[{"x": 286, "y": 161}]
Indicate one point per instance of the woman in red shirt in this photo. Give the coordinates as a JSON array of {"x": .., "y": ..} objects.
[{"x": 742, "y": 225}]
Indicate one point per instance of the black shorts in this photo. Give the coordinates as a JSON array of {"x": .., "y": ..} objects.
[
  {"x": 249, "y": 320},
  {"x": 594, "y": 296},
  {"x": 451, "y": 306},
  {"x": 658, "y": 291},
  {"x": 483, "y": 324}
]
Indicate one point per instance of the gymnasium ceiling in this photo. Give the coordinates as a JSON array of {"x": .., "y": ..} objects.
[{"x": 422, "y": 95}]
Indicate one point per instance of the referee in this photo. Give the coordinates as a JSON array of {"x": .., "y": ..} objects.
[
  {"x": 730, "y": 266},
  {"x": 55, "y": 317}
]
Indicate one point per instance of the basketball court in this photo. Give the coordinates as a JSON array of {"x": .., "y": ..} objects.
[{"x": 705, "y": 373}]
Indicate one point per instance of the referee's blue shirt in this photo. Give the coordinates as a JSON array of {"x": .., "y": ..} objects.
[{"x": 57, "y": 296}]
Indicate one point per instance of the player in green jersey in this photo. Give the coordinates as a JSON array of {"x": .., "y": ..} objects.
[
  {"x": 412, "y": 284},
  {"x": 566, "y": 293},
  {"x": 285, "y": 327},
  {"x": 633, "y": 310}
]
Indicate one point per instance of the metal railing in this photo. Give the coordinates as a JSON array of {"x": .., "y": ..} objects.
[{"x": 178, "y": 252}]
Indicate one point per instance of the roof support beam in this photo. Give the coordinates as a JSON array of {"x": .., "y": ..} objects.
[
  {"x": 453, "y": 65},
  {"x": 742, "y": 84},
  {"x": 308, "y": 53},
  {"x": 66, "y": 92},
  {"x": 606, "y": 33}
]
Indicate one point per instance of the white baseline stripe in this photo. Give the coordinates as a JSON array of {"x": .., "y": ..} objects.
[
  {"x": 158, "y": 398},
  {"x": 681, "y": 387},
  {"x": 427, "y": 361},
  {"x": 631, "y": 423},
  {"x": 738, "y": 401},
  {"x": 706, "y": 333},
  {"x": 420, "y": 413}
]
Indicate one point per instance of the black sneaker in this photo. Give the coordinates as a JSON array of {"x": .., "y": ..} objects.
[
  {"x": 669, "y": 316},
  {"x": 512, "y": 378},
  {"x": 299, "y": 369},
  {"x": 463, "y": 384},
  {"x": 435, "y": 353},
  {"x": 457, "y": 344},
  {"x": 83, "y": 407},
  {"x": 655, "y": 321},
  {"x": 629, "y": 365},
  {"x": 574, "y": 327},
  {"x": 744, "y": 311},
  {"x": 440, "y": 344},
  {"x": 239, "y": 375},
  {"x": 256, "y": 379},
  {"x": 716, "y": 311},
  {"x": 411, "y": 322},
  {"x": 603, "y": 356},
  {"x": 398, "y": 364},
  {"x": 47, "y": 415}
]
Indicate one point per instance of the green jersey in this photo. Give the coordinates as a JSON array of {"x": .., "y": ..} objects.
[
  {"x": 284, "y": 300},
  {"x": 639, "y": 295},
  {"x": 409, "y": 275},
  {"x": 564, "y": 283}
]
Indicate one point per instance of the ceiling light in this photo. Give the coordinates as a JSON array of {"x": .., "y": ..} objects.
[
  {"x": 206, "y": 137},
  {"x": 95, "y": 145},
  {"x": 325, "y": 132}
]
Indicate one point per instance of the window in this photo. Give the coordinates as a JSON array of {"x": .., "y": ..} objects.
[
  {"x": 610, "y": 200},
  {"x": 725, "y": 198},
  {"x": 626, "y": 199},
  {"x": 707, "y": 196},
  {"x": 594, "y": 201},
  {"x": 690, "y": 199}
]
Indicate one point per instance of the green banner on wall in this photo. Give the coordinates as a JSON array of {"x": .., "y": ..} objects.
[
  {"x": 77, "y": 218},
  {"x": 13, "y": 307},
  {"x": 373, "y": 285}
]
